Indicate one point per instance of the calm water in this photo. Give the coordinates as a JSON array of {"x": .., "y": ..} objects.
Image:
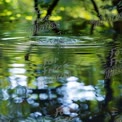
[{"x": 58, "y": 79}]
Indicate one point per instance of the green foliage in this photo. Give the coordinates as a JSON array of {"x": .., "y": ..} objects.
[
  {"x": 44, "y": 3},
  {"x": 15, "y": 10},
  {"x": 74, "y": 17}
]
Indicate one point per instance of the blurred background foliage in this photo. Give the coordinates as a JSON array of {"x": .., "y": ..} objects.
[
  {"x": 74, "y": 16},
  {"x": 15, "y": 10}
]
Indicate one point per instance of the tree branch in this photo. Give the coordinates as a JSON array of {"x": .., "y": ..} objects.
[
  {"x": 98, "y": 15},
  {"x": 36, "y": 8},
  {"x": 36, "y": 22},
  {"x": 96, "y": 9},
  {"x": 51, "y": 7},
  {"x": 49, "y": 12}
]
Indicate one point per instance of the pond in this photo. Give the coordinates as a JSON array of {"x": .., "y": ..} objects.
[{"x": 59, "y": 78}]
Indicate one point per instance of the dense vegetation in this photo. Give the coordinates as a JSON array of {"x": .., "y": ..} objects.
[{"x": 63, "y": 17}]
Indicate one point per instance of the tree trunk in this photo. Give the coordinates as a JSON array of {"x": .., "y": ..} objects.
[{"x": 118, "y": 24}]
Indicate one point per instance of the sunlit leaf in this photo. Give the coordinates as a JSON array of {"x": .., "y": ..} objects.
[{"x": 28, "y": 17}]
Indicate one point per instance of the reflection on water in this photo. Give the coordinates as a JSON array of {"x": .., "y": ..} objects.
[{"x": 57, "y": 84}]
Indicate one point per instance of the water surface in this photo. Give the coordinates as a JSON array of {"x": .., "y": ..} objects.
[{"x": 57, "y": 78}]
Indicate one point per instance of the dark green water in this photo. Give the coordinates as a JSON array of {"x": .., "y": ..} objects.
[{"x": 58, "y": 79}]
